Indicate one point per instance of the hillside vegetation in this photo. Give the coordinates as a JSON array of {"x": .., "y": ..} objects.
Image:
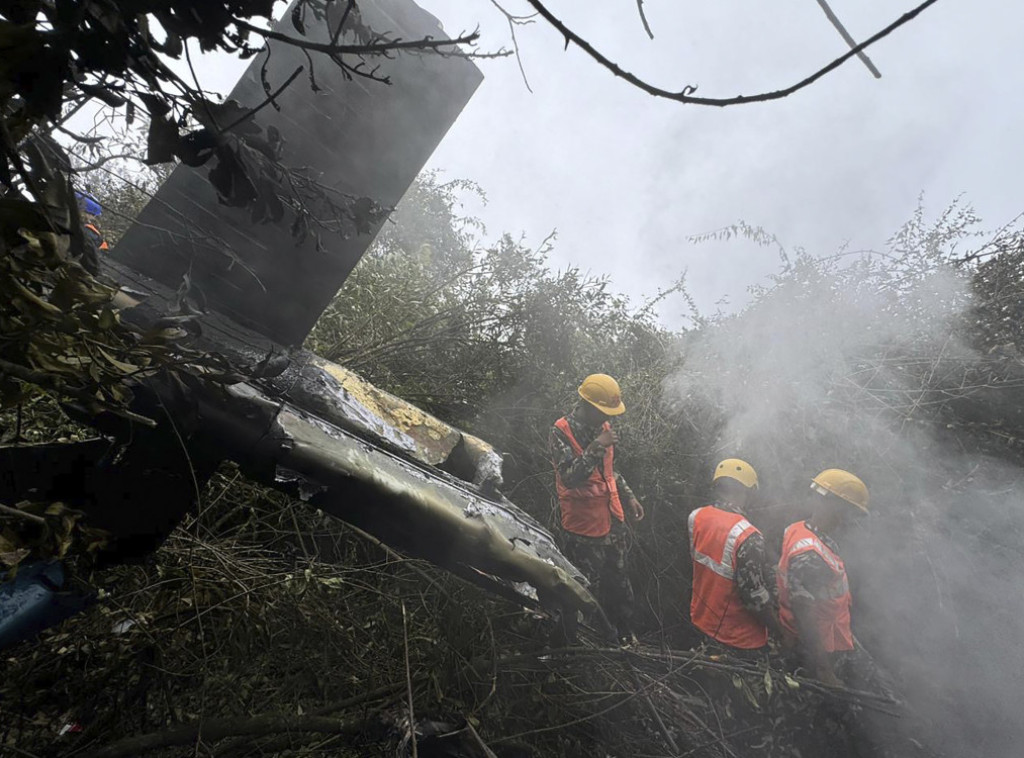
[{"x": 265, "y": 628}]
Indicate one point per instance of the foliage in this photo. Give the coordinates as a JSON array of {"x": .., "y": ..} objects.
[
  {"x": 996, "y": 322},
  {"x": 60, "y": 329},
  {"x": 44, "y": 531}
]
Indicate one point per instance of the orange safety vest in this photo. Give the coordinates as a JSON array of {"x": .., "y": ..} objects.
[
  {"x": 103, "y": 243},
  {"x": 832, "y": 614},
  {"x": 588, "y": 509},
  {"x": 715, "y": 606}
]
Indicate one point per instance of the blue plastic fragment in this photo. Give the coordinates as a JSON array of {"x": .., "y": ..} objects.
[{"x": 33, "y": 601}]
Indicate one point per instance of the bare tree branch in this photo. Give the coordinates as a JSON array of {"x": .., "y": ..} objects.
[
  {"x": 341, "y": 22},
  {"x": 513, "y": 21},
  {"x": 686, "y": 94},
  {"x": 270, "y": 99},
  {"x": 105, "y": 160},
  {"x": 78, "y": 137},
  {"x": 643, "y": 18},
  {"x": 212, "y": 730},
  {"x": 408, "y": 680},
  {"x": 7, "y": 510},
  {"x": 849, "y": 40},
  {"x": 375, "y": 48}
]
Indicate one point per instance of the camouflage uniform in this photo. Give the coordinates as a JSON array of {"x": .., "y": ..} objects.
[
  {"x": 601, "y": 559},
  {"x": 755, "y": 577}
]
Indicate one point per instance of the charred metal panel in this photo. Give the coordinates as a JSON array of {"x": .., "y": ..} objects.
[{"x": 363, "y": 138}]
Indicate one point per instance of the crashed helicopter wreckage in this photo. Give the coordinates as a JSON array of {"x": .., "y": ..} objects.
[
  {"x": 295, "y": 421},
  {"x": 332, "y": 439}
]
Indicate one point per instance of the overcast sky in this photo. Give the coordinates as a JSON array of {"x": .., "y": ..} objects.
[{"x": 626, "y": 178}]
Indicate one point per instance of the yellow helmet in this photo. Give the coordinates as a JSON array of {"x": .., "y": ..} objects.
[
  {"x": 602, "y": 392},
  {"x": 842, "y": 484},
  {"x": 741, "y": 471}
]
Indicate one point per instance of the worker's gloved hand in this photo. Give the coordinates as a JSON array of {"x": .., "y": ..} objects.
[
  {"x": 638, "y": 510},
  {"x": 607, "y": 438}
]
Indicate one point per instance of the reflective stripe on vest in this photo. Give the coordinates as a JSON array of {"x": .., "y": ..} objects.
[
  {"x": 588, "y": 509},
  {"x": 832, "y": 614},
  {"x": 726, "y": 567},
  {"x": 715, "y": 605}
]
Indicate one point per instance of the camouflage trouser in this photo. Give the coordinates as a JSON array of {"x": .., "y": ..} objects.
[{"x": 603, "y": 561}]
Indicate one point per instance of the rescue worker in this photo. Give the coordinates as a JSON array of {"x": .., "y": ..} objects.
[
  {"x": 90, "y": 211},
  {"x": 814, "y": 609},
  {"x": 591, "y": 494},
  {"x": 814, "y": 594},
  {"x": 733, "y": 599}
]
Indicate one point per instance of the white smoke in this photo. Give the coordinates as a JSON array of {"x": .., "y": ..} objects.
[{"x": 860, "y": 362}]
